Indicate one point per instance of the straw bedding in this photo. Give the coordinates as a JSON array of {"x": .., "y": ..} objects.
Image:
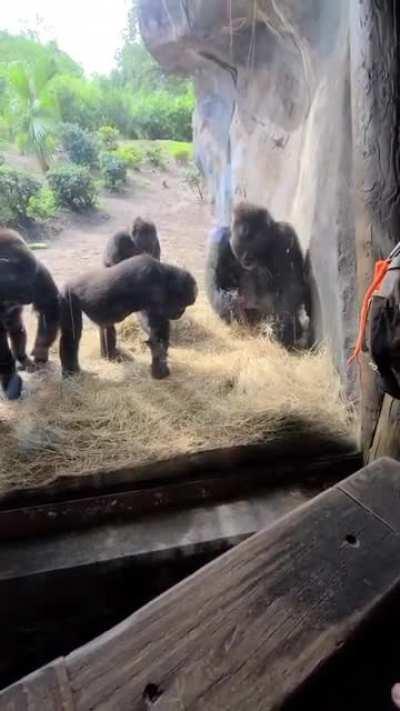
[{"x": 226, "y": 387}]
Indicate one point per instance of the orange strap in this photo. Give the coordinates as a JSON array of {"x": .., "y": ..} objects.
[{"x": 381, "y": 269}]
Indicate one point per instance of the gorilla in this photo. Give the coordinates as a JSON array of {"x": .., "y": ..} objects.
[
  {"x": 256, "y": 271},
  {"x": 108, "y": 295},
  {"x": 23, "y": 280},
  {"x": 121, "y": 246},
  {"x": 142, "y": 240}
]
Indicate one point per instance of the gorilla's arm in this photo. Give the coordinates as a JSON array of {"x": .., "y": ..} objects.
[
  {"x": 222, "y": 276},
  {"x": 46, "y": 302}
]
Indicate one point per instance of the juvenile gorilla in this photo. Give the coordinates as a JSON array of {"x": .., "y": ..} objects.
[
  {"x": 256, "y": 271},
  {"x": 23, "y": 280},
  {"x": 108, "y": 296},
  {"x": 142, "y": 240}
]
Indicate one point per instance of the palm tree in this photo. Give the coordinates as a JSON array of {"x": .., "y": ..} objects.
[{"x": 33, "y": 106}]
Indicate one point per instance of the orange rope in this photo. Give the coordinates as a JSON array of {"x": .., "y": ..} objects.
[{"x": 381, "y": 269}]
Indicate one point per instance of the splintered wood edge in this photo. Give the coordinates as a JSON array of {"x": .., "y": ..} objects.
[{"x": 252, "y": 626}]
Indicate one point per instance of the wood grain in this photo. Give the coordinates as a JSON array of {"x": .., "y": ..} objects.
[{"x": 246, "y": 631}]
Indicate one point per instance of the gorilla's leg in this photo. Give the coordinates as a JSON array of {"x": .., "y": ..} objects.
[
  {"x": 71, "y": 332},
  {"x": 158, "y": 344},
  {"x": 11, "y": 383},
  {"x": 17, "y": 333},
  {"x": 48, "y": 321},
  {"x": 108, "y": 343},
  {"x": 143, "y": 319}
]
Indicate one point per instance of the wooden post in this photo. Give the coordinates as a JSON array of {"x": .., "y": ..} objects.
[{"x": 375, "y": 81}]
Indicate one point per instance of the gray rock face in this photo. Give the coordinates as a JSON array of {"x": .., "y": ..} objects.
[{"x": 273, "y": 126}]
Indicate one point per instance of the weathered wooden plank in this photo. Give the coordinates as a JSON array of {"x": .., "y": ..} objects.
[
  {"x": 47, "y": 689},
  {"x": 366, "y": 488},
  {"x": 39, "y": 520},
  {"x": 246, "y": 631}
]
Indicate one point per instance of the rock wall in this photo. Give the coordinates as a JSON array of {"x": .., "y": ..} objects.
[{"x": 273, "y": 126}]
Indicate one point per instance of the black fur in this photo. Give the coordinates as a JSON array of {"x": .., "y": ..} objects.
[
  {"x": 142, "y": 240},
  {"x": 256, "y": 271},
  {"x": 107, "y": 296},
  {"x": 23, "y": 280}
]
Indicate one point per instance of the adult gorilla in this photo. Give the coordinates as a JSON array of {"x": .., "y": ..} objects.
[{"x": 256, "y": 272}]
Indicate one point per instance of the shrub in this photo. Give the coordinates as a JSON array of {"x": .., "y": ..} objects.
[
  {"x": 80, "y": 145},
  {"x": 160, "y": 115},
  {"x": 43, "y": 205},
  {"x": 131, "y": 155},
  {"x": 73, "y": 187},
  {"x": 113, "y": 170},
  {"x": 16, "y": 190},
  {"x": 108, "y": 136},
  {"x": 182, "y": 154},
  {"x": 155, "y": 156}
]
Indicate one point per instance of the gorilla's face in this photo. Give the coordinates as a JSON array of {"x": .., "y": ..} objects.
[{"x": 251, "y": 231}]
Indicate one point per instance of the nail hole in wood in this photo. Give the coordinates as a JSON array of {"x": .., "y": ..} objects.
[
  {"x": 151, "y": 694},
  {"x": 352, "y": 540}
]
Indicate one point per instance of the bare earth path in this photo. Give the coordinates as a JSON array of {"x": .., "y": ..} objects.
[{"x": 182, "y": 221}]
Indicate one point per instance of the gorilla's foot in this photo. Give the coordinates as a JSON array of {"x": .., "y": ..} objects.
[
  {"x": 12, "y": 387},
  {"x": 159, "y": 370}
]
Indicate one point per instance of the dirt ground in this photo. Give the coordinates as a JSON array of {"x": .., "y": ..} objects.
[{"x": 182, "y": 221}]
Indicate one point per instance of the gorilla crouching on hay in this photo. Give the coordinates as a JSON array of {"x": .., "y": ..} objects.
[
  {"x": 108, "y": 296},
  {"x": 142, "y": 240},
  {"x": 23, "y": 280},
  {"x": 256, "y": 272}
]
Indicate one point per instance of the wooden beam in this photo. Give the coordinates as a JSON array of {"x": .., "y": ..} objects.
[
  {"x": 375, "y": 85},
  {"x": 155, "y": 497},
  {"x": 248, "y": 630}
]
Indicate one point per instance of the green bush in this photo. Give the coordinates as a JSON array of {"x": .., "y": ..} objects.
[
  {"x": 131, "y": 155},
  {"x": 16, "y": 190},
  {"x": 155, "y": 156},
  {"x": 182, "y": 154},
  {"x": 160, "y": 115},
  {"x": 80, "y": 145},
  {"x": 108, "y": 137},
  {"x": 113, "y": 170},
  {"x": 73, "y": 187},
  {"x": 43, "y": 205}
]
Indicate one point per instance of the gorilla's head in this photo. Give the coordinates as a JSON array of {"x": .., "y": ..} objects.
[
  {"x": 252, "y": 229},
  {"x": 144, "y": 235},
  {"x": 182, "y": 292}
]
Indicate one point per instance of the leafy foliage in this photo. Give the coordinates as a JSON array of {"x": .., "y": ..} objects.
[
  {"x": 132, "y": 156},
  {"x": 32, "y": 107},
  {"x": 155, "y": 156},
  {"x": 108, "y": 136},
  {"x": 42, "y": 205},
  {"x": 73, "y": 187},
  {"x": 46, "y": 88},
  {"x": 16, "y": 190},
  {"x": 80, "y": 146},
  {"x": 79, "y": 101},
  {"x": 162, "y": 116},
  {"x": 114, "y": 170}
]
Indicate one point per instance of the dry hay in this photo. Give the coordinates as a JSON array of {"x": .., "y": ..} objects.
[{"x": 225, "y": 388}]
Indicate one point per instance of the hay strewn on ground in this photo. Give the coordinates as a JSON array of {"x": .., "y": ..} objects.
[{"x": 225, "y": 388}]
